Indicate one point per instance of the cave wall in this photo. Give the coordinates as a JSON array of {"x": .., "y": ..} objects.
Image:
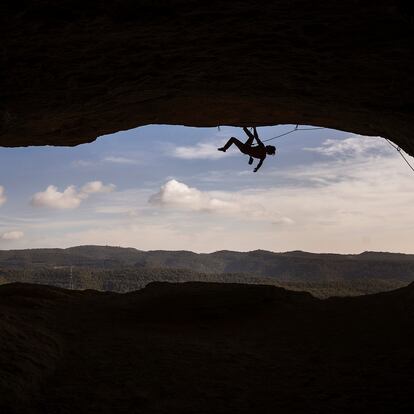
[{"x": 72, "y": 70}]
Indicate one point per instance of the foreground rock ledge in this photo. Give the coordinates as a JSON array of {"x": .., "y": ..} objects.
[
  {"x": 72, "y": 71},
  {"x": 204, "y": 348}
]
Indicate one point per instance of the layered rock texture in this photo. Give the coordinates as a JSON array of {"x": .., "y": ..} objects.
[{"x": 73, "y": 70}]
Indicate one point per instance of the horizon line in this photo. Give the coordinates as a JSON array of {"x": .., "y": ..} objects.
[{"x": 212, "y": 252}]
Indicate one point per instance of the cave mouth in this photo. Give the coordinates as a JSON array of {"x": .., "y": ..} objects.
[
  {"x": 72, "y": 71},
  {"x": 167, "y": 187}
]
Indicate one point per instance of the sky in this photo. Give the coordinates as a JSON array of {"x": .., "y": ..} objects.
[{"x": 167, "y": 187}]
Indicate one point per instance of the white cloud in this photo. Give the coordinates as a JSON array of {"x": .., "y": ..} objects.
[
  {"x": 177, "y": 195},
  {"x": 3, "y": 197},
  {"x": 70, "y": 198},
  {"x": 202, "y": 150},
  {"x": 121, "y": 160},
  {"x": 12, "y": 235},
  {"x": 354, "y": 146},
  {"x": 97, "y": 187},
  {"x": 53, "y": 198}
]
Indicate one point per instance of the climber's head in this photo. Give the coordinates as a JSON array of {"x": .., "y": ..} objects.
[{"x": 270, "y": 150}]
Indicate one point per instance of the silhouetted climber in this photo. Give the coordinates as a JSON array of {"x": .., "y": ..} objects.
[{"x": 258, "y": 151}]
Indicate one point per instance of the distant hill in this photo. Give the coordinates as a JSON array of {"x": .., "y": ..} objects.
[
  {"x": 288, "y": 266},
  {"x": 83, "y": 256}
]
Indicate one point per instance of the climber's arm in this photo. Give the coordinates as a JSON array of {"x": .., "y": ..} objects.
[
  {"x": 256, "y": 135},
  {"x": 259, "y": 165},
  {"x": 248, "y": 133}
]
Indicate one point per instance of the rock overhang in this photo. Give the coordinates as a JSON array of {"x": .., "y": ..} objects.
[{"x": 72, "y": 70}]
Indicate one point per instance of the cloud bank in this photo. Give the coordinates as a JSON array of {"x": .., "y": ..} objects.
[{"x": 354, "y": 146}]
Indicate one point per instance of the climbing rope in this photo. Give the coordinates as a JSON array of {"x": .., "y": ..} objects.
[
  {"x": 293, "y": 130},
  {"x": 399, "y": 150}
]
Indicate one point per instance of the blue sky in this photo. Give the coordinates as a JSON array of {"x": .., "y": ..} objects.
[{"x": 167, "y": 187}]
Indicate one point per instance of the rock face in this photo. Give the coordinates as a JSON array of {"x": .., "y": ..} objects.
[
  {"x": 204, "y": 348},
  {"x": 73, "y": 70}
]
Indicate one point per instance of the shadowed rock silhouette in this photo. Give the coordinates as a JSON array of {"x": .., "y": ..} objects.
[
  {"x": 115, "y": 65},
  {"x": 204, "y": 348}
]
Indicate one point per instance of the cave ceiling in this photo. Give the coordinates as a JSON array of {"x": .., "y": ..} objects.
[{"x": 73, "y": 70}]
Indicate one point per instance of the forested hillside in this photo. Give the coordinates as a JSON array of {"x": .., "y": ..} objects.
[
  {"x": 119, "y": 269},
  {"x": 124, "y": 280},
  {"x": 289, "y": 266}
]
